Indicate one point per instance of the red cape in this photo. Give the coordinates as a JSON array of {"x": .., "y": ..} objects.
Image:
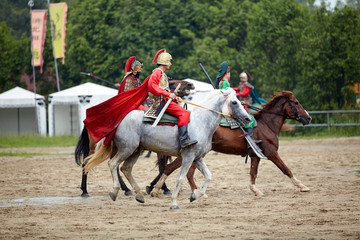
[{"x": 103, "y": 119}]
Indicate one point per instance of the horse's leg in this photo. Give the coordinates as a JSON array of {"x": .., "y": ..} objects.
[
  {"x": 282, "y": 166},
  {"x": 200, "y": 164},
  {"x": 167, "y": 171},
  {"x": 162, "y": 161},
  {"x": 84, "y": 184},
  {"x": 161, "y": 170},
  {"x": 114, "y": 169},
  {"x": 126, "y": 168},
  {"x": 90, "y": 150},
  {"x": 123, "y": 186},
  {"x": 253, "y": 174},
  {"x": 186, "y": 164},
  {"x": 190, "y": 177}
]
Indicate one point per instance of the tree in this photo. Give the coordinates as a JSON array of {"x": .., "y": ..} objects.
[{"x": 12, "y": 59}]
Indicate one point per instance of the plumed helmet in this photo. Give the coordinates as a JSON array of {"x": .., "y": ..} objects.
[
  {"x": 133, "y": 65},
  {"x": 246, "y": 75},
  {"x": 162, "y": 57}
]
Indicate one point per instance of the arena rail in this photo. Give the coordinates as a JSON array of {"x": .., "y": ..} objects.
[{"x": 328, "y": 123}]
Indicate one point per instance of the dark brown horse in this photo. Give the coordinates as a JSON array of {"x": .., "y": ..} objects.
[
  {"x": 86, "y": 145},
  {"x": 270, "y": 119}
]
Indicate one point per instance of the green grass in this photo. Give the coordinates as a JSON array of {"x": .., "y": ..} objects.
[{"x": 37, "y": 141}]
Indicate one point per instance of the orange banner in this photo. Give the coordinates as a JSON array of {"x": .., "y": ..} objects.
[
  {"x": 58, "y": 13},
  {"x": 38, "y": 31}
]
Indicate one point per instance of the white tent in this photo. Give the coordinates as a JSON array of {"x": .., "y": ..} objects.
[
  {"x": 67, "y": 108},
  {"x": 199, "y": 93},
  {"x": 22, "y": 112}
]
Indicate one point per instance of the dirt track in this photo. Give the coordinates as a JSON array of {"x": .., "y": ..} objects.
[{"x": 39, "y": 198}]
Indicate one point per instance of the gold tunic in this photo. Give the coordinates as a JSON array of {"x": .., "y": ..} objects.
[{"x": 158, "y": 101}]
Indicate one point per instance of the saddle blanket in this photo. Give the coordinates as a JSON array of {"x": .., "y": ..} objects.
[{"x": 166, "y": 119}]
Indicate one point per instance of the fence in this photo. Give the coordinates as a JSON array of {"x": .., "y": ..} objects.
[{"x": 328, "y": 123}]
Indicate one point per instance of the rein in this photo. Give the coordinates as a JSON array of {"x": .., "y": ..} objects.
[
  {"x": 275, "y": 113},
  {"x": 224, "y": 114}
]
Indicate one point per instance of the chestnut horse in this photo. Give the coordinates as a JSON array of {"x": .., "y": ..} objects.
[
  {"x": 270, "y": 119},
  {"x": 86, "y": 145}
]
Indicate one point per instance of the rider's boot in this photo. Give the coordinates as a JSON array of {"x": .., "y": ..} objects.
[
  {"x": 250, "y": 131},
  {"x": 184, "y": 137}
]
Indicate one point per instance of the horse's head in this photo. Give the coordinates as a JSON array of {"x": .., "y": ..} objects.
[
  {"x": 184, "y": 89},
  {"x": 234, "y": 108},
  {"x": 294, "y": 110}
]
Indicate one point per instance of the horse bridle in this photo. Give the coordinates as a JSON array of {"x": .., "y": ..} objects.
[{"x": 296, "y": 115}]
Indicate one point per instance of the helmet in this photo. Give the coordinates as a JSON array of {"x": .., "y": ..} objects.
[
  {"x": 162, "y": 57},
  {"x": 246, "y": 75},
  {"x": 133, "y": 65}
]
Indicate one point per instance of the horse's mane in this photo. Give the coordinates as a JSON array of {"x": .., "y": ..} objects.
[
  {"x": 277, "y": 96},
  {"x": 207, "y": 98}
]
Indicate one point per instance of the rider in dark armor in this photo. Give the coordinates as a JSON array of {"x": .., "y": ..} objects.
[{"x": 132, "y": 73}]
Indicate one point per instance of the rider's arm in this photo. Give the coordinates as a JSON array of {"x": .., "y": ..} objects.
[
  {"x": 153, "y": 85},
  {"x": 244, "y": 93}
]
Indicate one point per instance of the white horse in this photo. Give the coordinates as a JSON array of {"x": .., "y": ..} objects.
[{"x": 133, "y": 135}]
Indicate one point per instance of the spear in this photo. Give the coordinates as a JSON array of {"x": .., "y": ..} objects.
[{"x": 97, "y": 78}]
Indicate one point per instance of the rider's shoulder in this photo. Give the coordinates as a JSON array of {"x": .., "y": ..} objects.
[{"x": 249, "y": 85}]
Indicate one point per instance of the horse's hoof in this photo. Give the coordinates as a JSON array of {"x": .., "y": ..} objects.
[
  {"x": 140, "y": 198},
  {"x": 149, "y": 189},
  {"x": 154, "y": 194},
  {"x": 259, "y": 194},
  {"x": 112, "y": 196},
  {"x": 128, "y": 193},
  {"x": 305, "y": 189},
  {"x": 85, "y": 195},
  {"x": 174, "y": 207},
  {"x": 192, "y": 197},
  {"x": 167, "y": 192}
]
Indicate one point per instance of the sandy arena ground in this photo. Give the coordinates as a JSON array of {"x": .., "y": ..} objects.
[{"x": 40, "y": 198}]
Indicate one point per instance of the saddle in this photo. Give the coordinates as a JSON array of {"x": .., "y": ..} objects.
[
  {"x": 227, "y": 122},
  {"x": 166, "y": 119}
]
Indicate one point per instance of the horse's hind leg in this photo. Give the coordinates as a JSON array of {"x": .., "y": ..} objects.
[
  {"x": 282, "y": 166},
  {"x": 169, "y": 168},
  {"x": 126, "y": 190},
  {"x": 114, "y": 169},
  {"x": 126, "y": 168},
  {"x": 84, "y": 184},
  {"x": 162, "y": 162},
  {"x": 200, "y": 164}
]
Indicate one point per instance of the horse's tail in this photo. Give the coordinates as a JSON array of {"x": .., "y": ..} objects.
[
  {"x": 102, "y": 153},
  {"x": 82, "y": 148}
]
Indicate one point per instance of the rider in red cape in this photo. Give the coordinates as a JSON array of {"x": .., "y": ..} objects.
[
  {"x": 132, "y": 75},
  {"x": 159, "y": 91},
  {"x": 103, "y": 119}
]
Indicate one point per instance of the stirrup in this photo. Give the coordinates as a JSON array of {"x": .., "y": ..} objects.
[
  {"x": 188, "y": 143},
  {"x": 256, "y": 142}
]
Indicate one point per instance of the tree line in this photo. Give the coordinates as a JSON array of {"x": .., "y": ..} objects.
[{"x": 284, "y": 44}]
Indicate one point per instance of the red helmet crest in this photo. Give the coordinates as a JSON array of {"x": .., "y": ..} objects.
[
  {"x": 128, "y": 63},
  {"x": 157, "y": 55}
]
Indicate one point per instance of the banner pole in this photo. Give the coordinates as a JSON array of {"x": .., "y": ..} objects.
[
  {"x": 52, "y": 38},
  {"x": 31, "y": 4}
]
